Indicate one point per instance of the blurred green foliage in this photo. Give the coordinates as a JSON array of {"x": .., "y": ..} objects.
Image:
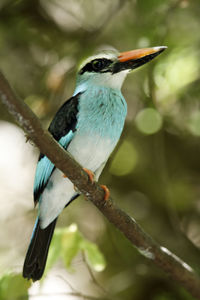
[
  {"x": 154, "y": 173},
  {"x": 67, "y": 242},
  {"x": 13, "y": 286}
]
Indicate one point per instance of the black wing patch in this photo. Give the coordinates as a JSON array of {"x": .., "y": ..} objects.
[
  {"x": 65, "y": 119},
  {"x": 62, "y": 128}
]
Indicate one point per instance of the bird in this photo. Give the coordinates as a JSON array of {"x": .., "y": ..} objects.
[{"x": 88, "y": 126}]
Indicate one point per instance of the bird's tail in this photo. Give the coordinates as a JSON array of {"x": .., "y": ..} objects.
[{"x": 36, "y": 256}]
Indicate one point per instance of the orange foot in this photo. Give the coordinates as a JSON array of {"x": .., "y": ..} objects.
[
  {"x": 107, "y": 192},
  {"x": 64, "y": 176},
  {"x": 90, "y": 174}
]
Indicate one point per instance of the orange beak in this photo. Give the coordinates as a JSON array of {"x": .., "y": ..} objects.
[
  {"x": 130, "y": 60},
  {"x": 140, "y": 53}
]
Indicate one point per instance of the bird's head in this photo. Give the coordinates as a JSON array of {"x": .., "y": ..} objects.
[{"x": 110, "y": 68}]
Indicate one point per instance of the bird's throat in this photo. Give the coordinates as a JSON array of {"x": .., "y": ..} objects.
[{"x": 102, "y": 111}]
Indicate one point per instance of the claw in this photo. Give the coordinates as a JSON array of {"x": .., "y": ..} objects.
[
  {"x": 107, "y": 192},
  {"x": 90, "y": 174},
  {"x": 64, "y": 176}
]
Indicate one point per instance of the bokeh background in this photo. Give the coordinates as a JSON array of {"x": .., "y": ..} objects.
[{"x": 153, "y": 174}]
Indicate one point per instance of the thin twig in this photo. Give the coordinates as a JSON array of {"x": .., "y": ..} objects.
[{"x": 94, "y": 280}]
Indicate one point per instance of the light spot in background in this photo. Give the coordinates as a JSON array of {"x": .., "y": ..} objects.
[
  {"x": 17, "y": 168},
  {"x": 16, "y": 164},
  {"x": 72, "y": 15},
  {"x": 57, "y": 72},
  {"x": 179, "y": 69},
  {"x": 143, "y": 42},
  {"x": 125, "y": 160},
  {"x": 190, "y": 227},
  {"x": 99, "y": 267},
  {"x": 148, "y": 121},
  {"x": 73, "y": 228},
  {"x": 62, "y": 285},
  {"x": 194, "y": 124}
]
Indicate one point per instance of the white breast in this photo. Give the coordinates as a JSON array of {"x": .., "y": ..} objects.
[
  {"x": 56, "y": 195},
  {"x": 90, "y": 151}
]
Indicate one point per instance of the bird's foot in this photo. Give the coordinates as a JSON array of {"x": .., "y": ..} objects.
[
  {"x": 107, "y": 192},
  {"x": 64, "y": 176},
  {"x": 90, "y": 174},
  {"x": 91, "y": 177}
]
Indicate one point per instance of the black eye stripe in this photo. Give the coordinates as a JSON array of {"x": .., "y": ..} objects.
[{"x": 96, "y": 65}]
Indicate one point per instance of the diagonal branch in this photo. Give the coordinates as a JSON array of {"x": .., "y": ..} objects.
[{"x": 162, "y": 257}]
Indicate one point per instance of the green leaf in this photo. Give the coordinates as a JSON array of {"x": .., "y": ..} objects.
[
  {"x": 70, "y": 244},
  {"x": 67, "y": 242},
  {"x": 94, "y": 256},
  {"x": 13, "y": 287},
  {"x": 55, "y": 250}
]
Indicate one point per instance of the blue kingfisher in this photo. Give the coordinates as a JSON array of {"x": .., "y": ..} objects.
[{"x": 88, "y": 126}]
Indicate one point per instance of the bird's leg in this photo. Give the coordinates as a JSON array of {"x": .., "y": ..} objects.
[
  {"x": 64, "y": 176},
  {"x": 104, "y": 187},
  {"x": 107, "y": 192},
  {"x": 91, "y": 177},
  {"x": 90, "y": 174}
]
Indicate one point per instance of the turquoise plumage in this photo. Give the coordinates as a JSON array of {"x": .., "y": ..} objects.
[{"x": 89, "y": 126}]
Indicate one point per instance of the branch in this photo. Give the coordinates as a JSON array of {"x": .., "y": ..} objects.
[{"x": 162, "y": 257}]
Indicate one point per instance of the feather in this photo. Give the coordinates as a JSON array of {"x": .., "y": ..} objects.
[
  {"x": 36, "y": 256},
  {"x": 62, "y": 128}
]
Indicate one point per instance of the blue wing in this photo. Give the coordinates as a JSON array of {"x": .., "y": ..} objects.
[
  {"x": 62, "y": 127},
  {"x": 43, "y": 172}
]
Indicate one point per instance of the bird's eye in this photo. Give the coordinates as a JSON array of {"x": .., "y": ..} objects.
[{"x": 98, "y": 64}]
